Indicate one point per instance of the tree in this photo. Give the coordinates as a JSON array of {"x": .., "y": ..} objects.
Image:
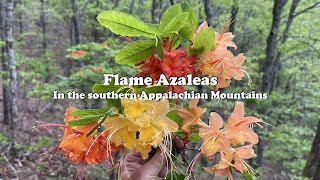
[
  {"x": 76, "y": 22},
  {"x": 43, "y": 20},
  {"x": 234, "y": 12},
  {"x": 4, "y": 63},
  {"x": 13, "y": 86},
  {"x": 209, "y": 12},
  {"x": 312, "y": 168}
]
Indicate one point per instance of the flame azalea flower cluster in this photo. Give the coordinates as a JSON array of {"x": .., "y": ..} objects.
[
  {"x": 220, "y": 62},
  {"x": 175, "y": 63},
  {"x": 78, "y": 53},
  {"x": 144, "y": 125},
  {"x": 79, "y": 147},
  {"x": 234, "y": 141},
  {"x": 91, "y": 136}
]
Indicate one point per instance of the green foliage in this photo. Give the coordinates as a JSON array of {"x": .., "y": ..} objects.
[
  {"x": 42, "y": 142},
  {"x": 86, "y": 112},
  {"x": 3, "y": 139},
  {"x": 88, "y": 119},
  {"x": 203, "y": 41},
  {"x": 159, "y": 47},
  {"x": 136, "y": 52},
  {"x": 174, "y": 175},
  {"x": 124, "y": 24},
  {"x": 195, "y": 138},
  {"x": 295, "y": 142}
]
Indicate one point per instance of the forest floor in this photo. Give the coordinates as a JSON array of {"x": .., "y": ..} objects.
[{"x": 34, "y": 158}]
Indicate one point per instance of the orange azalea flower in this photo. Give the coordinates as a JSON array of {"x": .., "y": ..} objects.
[
  {"x": 234, "y": 158},
  {"x": 73, "y": 54},
  {"x": 222, "y": 168},
  {"x": 238, "y": 130},
  {"x": 224, "y": 40},
  {"x": 241, "y": 153},
  {"x": 80, "y": 148},
  {"x": 191, "y": 115},
  {"x": 81, "y": 52},
  {"x": 213, "y": 138}
]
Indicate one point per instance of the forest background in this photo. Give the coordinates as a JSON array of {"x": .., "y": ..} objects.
[{"x": 51, "y": 45}]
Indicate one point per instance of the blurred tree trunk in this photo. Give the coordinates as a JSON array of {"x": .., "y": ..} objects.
[
  {"x": 172, "y": 2},
  {"x": 76, "y": 22},
  {"x": 209, "y": 12},
  {"x": 268, "y": 66},
  {"x": 131, "y": 6},
  {"x": 153, "y": 11},
  {"x": 271, "y": 51},
  {"x": 115, "y": 3},
  {"x": 43, "y": 20},
  {"x": 13, "y": 123},
  {"x": 312, "y": 168},
  {"x": 234, "y": 12},
  {"x": 5, "y": 80}
]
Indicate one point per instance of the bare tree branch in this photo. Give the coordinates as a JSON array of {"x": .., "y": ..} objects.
[
  {"x": 84, "y": 8},
  {"x": 306, "y": 9},
  {"x": 308, "y": 44}
]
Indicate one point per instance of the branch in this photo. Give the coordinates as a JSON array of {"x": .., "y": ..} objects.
[
  {"x": 306, "y": 9},
  {"x": 308, "y": 44},
  {"x": 84, "y": 8}
]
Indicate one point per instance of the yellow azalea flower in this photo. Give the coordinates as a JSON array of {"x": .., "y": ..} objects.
[
  {"x": 213, "y": 138},
  {"x": 144, "y": 125},
  {"x": 135, "y": 108},
  {"x": 160, "y": 125},
  {"x": 238, "y": 130},
  {"x": 191, "y": 115},
  {"x": 121, "y": 131}
]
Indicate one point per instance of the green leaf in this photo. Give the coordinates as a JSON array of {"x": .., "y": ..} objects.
[
  {"x": 154, "y": 27},
  {"x": 85, "y": 120},
  {"x": 187, "y": 33},
  {"x": 195, "y": 138},
  {"x": 203, "y": 41},
  {"x": 176, "y": 23},
  {"x": 177, "y": 42},
  {"x": 159, "y": 47},
  {"x": 125, "y": 24},
  {"x": 170, "y": 13},
  {"x": 86, "y": 112},
  {"x": 248, "y": 174},
  {"x": 98, "y": 125},
  {"x": 153, "y": 89},
  {"x": 192, "y": 15},
  {"x": 100, "y": 88},
  {"x": 136, "y": 52},
  {"x": 174, "y": 175},
  {"x": 173, "y": 115},
  {"x": 114, "y": 103}
]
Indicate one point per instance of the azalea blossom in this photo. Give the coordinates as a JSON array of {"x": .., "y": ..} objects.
[
  {"x": 213, "y": 138},
  {"x": 221, "y": 63},
  {"x": 78, "y": 146},
  {"x": 238, "y": 130},
  {"x": 175, "y": 63},
  {"x": 233, "y": 158},
  {"x": 143, "y": 125},
  {"x": 191, "y": 115}
]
